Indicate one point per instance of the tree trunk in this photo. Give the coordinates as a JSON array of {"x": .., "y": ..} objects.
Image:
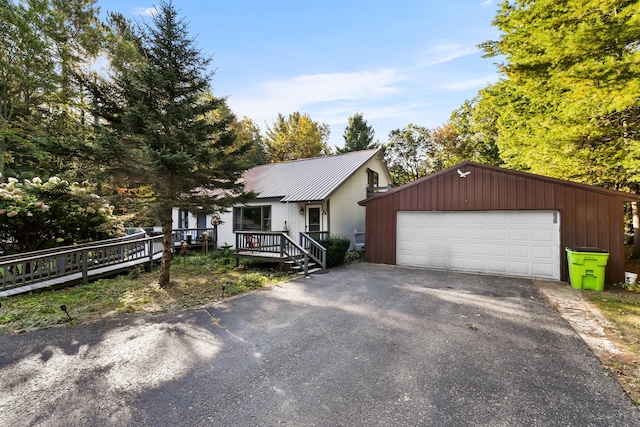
[
  {"x": 167, "y": 246},
  {"x": 635, "y": 252}
]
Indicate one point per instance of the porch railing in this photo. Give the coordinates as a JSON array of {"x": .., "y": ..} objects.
[
  {"x": 277, "y": 245},
  {"x": 372, "y": 191},
  {"x": 76, "y": 264},
  {"x": 133, "y": 236},
  {"x": 195, "y": 236}
]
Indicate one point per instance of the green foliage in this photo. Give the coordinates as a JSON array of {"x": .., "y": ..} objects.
[
  {"x": 470, "y": 134},
  {"x": 336, "y": 250},
  {"x": 196, "y": 282},
  {"x": 410, "y": 153},
  {"x": 568, "y": 106},
  {"x": 156, "y": 126},
  {"x": 42, "y": 113},
  {"x": 36, "y": 214},
  {"x": 296, "y": 137},
  {"x": 352, "y": 256},
  {"x": 358, "y": 135}
]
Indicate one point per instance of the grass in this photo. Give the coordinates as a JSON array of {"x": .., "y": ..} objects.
[
  {"x": 622, "y": 309},
  {"x": 195, "y": 281}
]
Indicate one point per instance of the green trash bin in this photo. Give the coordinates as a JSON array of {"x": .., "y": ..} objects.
[{"x": 587, "y": 267}]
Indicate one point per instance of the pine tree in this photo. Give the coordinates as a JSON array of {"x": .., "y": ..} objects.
[
  {"x": 159, "y": 132},
  {"x": 358, "y": 135}
]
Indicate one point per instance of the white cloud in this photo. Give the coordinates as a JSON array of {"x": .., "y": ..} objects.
[
  {"x": 486, "y": 3},
  {"x": 289, "y": 95},
  {"x": 145, "y": 11},
  {"x": 444, "y": 52}
]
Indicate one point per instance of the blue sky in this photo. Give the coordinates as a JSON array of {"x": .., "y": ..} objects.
[{"x": 395, "y": 62}]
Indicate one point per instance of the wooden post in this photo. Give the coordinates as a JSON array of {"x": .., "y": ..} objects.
[
  {"x": 151, "y": 248},
  {"x": 85, "y": 266}
]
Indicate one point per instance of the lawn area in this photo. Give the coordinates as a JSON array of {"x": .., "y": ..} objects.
[
  {"x": 622, "y": 309},
  {"x": 196, "y": 280}
]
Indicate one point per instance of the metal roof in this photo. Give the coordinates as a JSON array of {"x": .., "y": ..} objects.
[{"x": 307, "y": 179}]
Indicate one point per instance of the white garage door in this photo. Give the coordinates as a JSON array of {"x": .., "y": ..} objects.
[{"x": 511, "y": 243}]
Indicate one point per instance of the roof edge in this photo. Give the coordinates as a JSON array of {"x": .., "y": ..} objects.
[{"x": 590, "y": 187}]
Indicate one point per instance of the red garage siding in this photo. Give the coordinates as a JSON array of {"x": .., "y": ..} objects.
[{"x": 589, "y": 215}]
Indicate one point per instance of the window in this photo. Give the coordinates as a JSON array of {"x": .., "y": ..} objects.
[
  {"x": 252, "y": 218},
  {"x": 183, "y": 219},
  {"x": 372, "y": 178}
]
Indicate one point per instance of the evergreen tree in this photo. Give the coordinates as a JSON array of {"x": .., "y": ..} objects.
[
  {"x": 358, "y": 135},
  {"x": 158, "y": 134}
]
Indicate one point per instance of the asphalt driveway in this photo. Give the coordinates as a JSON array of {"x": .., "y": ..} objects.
[{"x": 362, "y": 345}]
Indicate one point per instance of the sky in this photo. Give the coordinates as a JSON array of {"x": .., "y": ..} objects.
[{"x": 394, "y": 62}]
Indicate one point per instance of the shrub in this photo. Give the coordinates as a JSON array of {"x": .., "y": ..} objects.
[
  {"x": 336, "y": 250},
  {"x": 37, "y": 214},
  {"x": 351, "y": 256}
]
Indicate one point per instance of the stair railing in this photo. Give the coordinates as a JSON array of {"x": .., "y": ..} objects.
[{"x": 317, "y": 252}]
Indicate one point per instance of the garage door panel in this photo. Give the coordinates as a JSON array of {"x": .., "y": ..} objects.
[
  {"x": 440, "y": 261},
  {"x": 519, "y": 235},
  {"x": 476, "y": 264},
  {"x": 543, "y": 236},
  {"x": 458, "y": 263},
  {"x": 496, "y": 234},
  {"x": 519, "y": 251},
  {"x": 542, "y": 253},
  {"x": 496, "y": 250},
  {"x": 542, "y": 270},
  {"x": 499, "y": 266},
  {"x": 520, "y": 268},
  {"x": 475, "y": 233},
  {"x": 517, "y": 243}
]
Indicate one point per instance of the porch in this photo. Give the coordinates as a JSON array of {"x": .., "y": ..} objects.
[{"x": 305, "y": 256}]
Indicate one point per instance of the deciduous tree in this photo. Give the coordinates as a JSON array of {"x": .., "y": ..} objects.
[
  {"x": 45, "y": 45},
  {"x": 296, "y": 137},
  {"x": 410, "y": 153},
  {"x": 569, "y": 98}
]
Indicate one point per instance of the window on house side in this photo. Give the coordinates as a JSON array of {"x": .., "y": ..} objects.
[{"x": 372, "y": 178}]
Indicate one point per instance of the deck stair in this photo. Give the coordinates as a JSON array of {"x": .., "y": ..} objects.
[{"x": 306, "y": 257}]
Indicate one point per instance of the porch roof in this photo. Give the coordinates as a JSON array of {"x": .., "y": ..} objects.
[{"x": 307, "y": 179}]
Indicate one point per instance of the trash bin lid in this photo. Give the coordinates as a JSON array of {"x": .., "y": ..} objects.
[{"x": 596, "y": 250}]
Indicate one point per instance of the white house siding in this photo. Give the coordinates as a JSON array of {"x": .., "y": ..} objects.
[
  {"x": 346, "y": 216},
  {"x": 280, "y": 212}
]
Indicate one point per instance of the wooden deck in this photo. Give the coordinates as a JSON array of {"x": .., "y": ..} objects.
[
  {"x": 76, "y": 278},
  {"x": 46, "y": 269}
]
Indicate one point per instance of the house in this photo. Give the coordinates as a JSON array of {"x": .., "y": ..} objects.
[
  {"x": 318, "y": 195},
  {"x": 485, "y": 219}
]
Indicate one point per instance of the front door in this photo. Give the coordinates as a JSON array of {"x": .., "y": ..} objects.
[{"x": 314, "y": 218}]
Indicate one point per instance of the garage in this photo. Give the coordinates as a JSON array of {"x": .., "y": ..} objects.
[
  {"x": 485, "y": 219},
  {"x": 510, "y": 243}
]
